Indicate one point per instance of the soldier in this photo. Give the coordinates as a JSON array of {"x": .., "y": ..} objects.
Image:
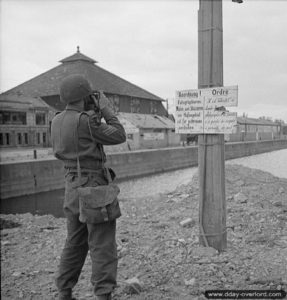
[{"x": 77, "y": 132}]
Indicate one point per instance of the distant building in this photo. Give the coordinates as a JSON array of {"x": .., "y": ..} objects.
[
  {"x": 284, "y": 129},
  {"x": 124, "y": 97},
  {"x": 25, "y": 121},
  {"x": 149, "y": 131},
  {"x": 247, "y": 129},
  {"x": 146, "y": 131},
  {"x": 251, "y": 129}
]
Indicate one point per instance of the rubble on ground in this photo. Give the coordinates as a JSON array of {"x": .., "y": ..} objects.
[{"x": 159, "y": 253}]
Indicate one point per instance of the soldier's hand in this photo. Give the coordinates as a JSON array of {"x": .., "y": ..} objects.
[
  {"x": 104, "y": 101},
  {"x": 94, "y": 118}
]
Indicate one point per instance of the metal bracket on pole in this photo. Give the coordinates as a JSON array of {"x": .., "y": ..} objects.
[{"x": 210, "y": 28}]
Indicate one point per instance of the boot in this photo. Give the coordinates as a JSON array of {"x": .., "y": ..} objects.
[
  {"x": 66, "y": 295},
  {"x": 66, "y": 298},
  {"x": 104, "y": 297}
]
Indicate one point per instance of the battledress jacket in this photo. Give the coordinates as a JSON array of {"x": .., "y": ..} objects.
[{"x": 66, "y": 141}]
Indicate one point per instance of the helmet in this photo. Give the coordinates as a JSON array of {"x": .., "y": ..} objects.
[{"x": 74, "y": 88}]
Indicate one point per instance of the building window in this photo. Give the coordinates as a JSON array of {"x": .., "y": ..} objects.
[
  {"x": 40, "y": 118},
  {"x": 13, "y": 117},
  {"x": 19, "y": 138},
  {"x": 5, "y": 117},
  {"x": 135, "y": 105},
  {"x": 26, "y": 138},
  {"x": 153, "y": 107},
  {"x": 7, "y": 138},
  {"x": 1, "y": 139},
  {"x": 18, "y": 118},
  {"x": 44, "y": 137},
  {"x": 38, "y": 138}
]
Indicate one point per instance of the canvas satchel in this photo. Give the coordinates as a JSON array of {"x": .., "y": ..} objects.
[{"x": 98, "y": 204}]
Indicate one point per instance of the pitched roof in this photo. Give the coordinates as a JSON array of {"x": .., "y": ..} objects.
[
  {"x": 78, "y": 56},
  {"x": 253, "y": 121},
  {"x": 48, "y": 83},
  {"x": 16, "y": 102},
  {"x": 148, "y": 121}
]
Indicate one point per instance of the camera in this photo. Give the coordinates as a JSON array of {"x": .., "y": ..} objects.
[
  {"x": 97, "y": 95},
  {"x": 92, "y": 101}
]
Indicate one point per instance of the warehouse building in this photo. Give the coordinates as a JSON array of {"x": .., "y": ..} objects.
[
  {"x": 125, "y": 99},
  {"x": 252, "y": 129}
]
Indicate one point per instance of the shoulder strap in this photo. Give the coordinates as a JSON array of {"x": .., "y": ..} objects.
[
  {"x": 76, "y": 141},
  {"x": 100, "y": 147}
]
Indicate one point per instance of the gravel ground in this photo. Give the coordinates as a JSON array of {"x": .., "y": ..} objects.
[{"x": 159, "y": 253}]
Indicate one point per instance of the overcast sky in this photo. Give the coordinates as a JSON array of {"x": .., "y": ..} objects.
[{"x": 152, "y": 44}]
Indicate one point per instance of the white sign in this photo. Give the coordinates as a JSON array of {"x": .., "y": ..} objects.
[
  {"x": 219, "y": 96},
  {"x": 219, "y": 121},
  {"x": 195, "y": 110},
  {"x": 189, "y": 112},
  {"x": 189, "y": 121},
  {"x": 190, "y": 99},
  {"x": 153, "y": 136}
]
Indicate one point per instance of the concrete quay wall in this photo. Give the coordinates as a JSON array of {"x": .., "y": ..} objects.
[{"x": 30, "y": 177}]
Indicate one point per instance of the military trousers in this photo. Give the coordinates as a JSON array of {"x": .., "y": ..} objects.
[{"x": 98, "y": 239}]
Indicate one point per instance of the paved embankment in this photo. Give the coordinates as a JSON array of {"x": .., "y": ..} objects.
[{"x": 34, "y": 176}]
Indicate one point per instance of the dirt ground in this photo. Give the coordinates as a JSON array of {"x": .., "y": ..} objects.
[{"x": 156, "y": 249}]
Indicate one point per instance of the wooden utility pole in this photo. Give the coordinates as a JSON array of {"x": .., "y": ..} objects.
[{"x": 211, "y": 160}]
